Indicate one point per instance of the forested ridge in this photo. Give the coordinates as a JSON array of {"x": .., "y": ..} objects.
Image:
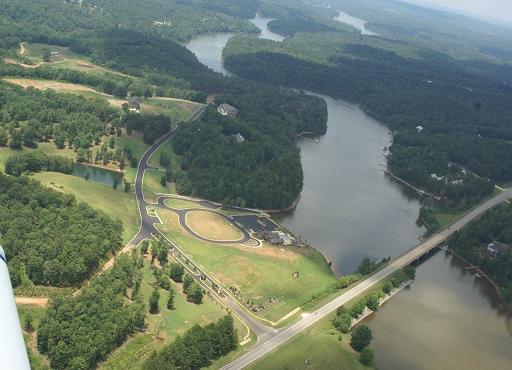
[
  {"x": 50, "y": 238},
  {"x": 471, "y": 244},
  {"x": 217, "y": 167},
  {"x": 445, "y": 119},
  {"x": 273, "y": 116}
]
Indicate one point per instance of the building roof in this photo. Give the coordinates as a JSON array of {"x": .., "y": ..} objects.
[{"x": 229, "y": 109}]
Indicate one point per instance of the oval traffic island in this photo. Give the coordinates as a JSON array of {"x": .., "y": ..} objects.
[{"x": 212, "y": 226}]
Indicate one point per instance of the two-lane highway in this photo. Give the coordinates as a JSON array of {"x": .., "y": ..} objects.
[{"x": 265, "y": 347}]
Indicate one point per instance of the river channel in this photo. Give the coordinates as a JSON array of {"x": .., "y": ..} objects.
[{"x": 447, "y": 319}]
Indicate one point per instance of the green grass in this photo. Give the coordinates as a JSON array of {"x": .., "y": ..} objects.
[
  {"x": 114, "y": 203},
  {"x": 178, "y": 110},
  {"x": 48, "y": 148},
  {"x": 133, "y": 353},
  {"x": 260, "y": 273},
  {"x": 37, "y": 360},
  {"x": 175, "y": 159},
  {"x": 152, "y": 178},
  {"x": 172, "y": 323},
  {"x": 319, "y": 345},
  {"x": 181, "y": 204}
]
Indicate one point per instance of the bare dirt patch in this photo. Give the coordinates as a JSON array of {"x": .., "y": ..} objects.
[
  {"x": 48, "y": 84},
  {"x": 32, "y": 301},
  {"x": 212, "y": 226}
]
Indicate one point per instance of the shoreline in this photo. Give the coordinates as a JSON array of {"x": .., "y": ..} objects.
[
  {"x": 367, "y": 312},
  {"x": 484, "y": 275}
]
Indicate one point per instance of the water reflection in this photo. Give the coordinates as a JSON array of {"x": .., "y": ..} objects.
[
  {"x": 448, "y": 319},
  {"x": 101, "y": 175}
]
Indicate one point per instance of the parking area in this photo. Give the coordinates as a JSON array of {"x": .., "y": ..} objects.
[{"x": 255, "y": 223}]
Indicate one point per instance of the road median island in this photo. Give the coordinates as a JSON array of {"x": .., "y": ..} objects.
[{"x": 212, "y": 226}]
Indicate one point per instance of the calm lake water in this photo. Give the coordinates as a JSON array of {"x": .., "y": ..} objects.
[
  {"x": 97, "y": 174},
  {"x": 262, "y": 24},
  {"x": 349, "y": 210},
  {"x": 448, "y": 319},
  {"x": 358, "y": 23}
]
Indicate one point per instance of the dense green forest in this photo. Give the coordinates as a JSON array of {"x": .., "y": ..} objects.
[
  {"x": 79, "y": 331},
  {"x": 50, "y": 238},
  {"x": 471, "y": 244},
  {"x": 31, "y": 116},
  {"x": 463, "y": 117},
  {"x": 197, "y": 348},
  {"x": 270, "y": 117},
  {"x": 178, "y": 20},
  {"x": 217, "y": 167}
]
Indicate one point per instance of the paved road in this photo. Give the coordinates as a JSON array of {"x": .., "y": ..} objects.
[
  {"x": 263, "y": 347},
  {"x": 147, "y": 230},
  {"x": 182, "y": 218}
]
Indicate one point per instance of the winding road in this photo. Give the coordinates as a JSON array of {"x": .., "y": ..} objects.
[
  {"x": 182, "y": 218},
  {"x": 268, "y": 337},
  {"x": 148, "y": 231}
]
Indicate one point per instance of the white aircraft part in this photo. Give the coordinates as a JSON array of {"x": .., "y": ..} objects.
[{"x": 13, "y": 354}]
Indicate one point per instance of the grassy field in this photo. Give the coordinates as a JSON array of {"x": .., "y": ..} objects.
[
  {"x": 37, "y": 360},
  {"x": 114, "y": 203},
  {"x": 177, "y": 109},
  {"x": 175, "y": 159},
  {"x": 260, "y": 273},
  {"x": 48, "y": 148},
  {"x": 212, "y": 226},
  {"x": 181, "y": 204},
  {"x": 319, "y": 345},
  {"x": 167, "y": 324},
  {"x": 152, "y": 178},
  {"x": 64, "y": 59}
]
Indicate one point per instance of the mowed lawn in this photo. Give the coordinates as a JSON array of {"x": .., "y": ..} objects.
[
  {"x": 168, "y": 324},
  {"x": 182, "y": 204},
  {"x": 212, "y": 226},
  {"x": 260, "y": 273},
  {"x": 319, "y": 345},
  {"x": 174, "y": 158},
  {"x": 115, "y": 203}
]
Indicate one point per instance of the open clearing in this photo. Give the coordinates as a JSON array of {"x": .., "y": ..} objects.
[
  {"x": 176, "y": 109},
  {"x": 114, "y": 203},
  {"x": 167, "y": 324},
  {"x": 212, "y": 226},
  {"x": 259, "y": 273},
  {"x": 319, "y": 345},
  {"x": 48, "y": 84},
  {"x": 65, "y": 58}
]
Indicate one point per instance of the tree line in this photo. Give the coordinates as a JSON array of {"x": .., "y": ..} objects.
[
  {"x": 472, "y": 241},
  {"x": 79, "y": 331},
  {"x": 197, "y": 348},
  {"x": 50, "y": 238},
  {"x": 464, "y": 117}
]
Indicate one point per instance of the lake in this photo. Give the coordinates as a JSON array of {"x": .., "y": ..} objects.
[
  {"x": 358, "y": 23},
  {"x": 349, "y": 209}
]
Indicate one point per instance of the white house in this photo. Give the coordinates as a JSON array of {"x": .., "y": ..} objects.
[{"x": 227, "y": 110}]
